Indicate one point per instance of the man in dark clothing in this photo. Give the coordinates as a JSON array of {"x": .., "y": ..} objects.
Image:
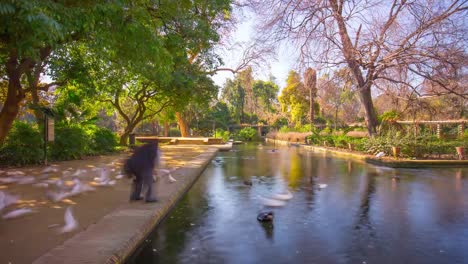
[{"x": 141, "y": 165}]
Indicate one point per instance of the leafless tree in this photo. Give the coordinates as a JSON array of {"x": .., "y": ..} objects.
[{"x": 372, "y": 37}]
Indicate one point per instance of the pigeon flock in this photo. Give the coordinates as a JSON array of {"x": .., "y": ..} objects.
[{"x": 58, "y": 186}]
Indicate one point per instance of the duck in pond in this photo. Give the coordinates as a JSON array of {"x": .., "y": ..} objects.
[
  {"x": 265, "y": 216},
  {"x": 248, "y": 182}
]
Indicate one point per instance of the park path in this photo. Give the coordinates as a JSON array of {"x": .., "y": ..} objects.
[{"x": 109, "y": 226}]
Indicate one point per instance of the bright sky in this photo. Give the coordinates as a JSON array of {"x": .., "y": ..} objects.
[{"x": 278, "y": 67}]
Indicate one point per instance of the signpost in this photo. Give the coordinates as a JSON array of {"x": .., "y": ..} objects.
[{"x": 49, "y": 134}]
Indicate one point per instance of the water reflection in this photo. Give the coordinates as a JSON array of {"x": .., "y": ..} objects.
[{"x": 366, "y": 214}]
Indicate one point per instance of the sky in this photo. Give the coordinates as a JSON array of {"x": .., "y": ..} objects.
[{"x": 278, "y": 67}]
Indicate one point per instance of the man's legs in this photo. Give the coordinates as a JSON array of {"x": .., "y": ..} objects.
[
  {"x": 136, "y": 189},
  {"x": 148, "y": 181}
]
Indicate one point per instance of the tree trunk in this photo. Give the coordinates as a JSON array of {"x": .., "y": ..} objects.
[
  {"x": 349, "y": 53},
  {"x": 7, "y": 117},
  {"x": 184, "y": 128},
  {"x": 37, "y": 113},
  {"x": 124, "y": 138},
  {"x": 371, "y": 117},
  {"x": 336, "y": 116},
  {"x": 15, "y": 95},
  {"x": 166, "y": 128}
]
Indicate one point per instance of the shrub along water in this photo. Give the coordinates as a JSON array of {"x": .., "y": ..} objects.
[
  {"x": 24, "y": 144},
  {"x": 421, "y": 146},
  {"x": 247, "y": 134}
]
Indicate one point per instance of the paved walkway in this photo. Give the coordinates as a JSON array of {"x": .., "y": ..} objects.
[{"x": 109, "y": 226}]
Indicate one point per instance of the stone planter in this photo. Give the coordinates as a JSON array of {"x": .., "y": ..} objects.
[
  {"x": 351, "y": 146},
  {"x": 396, "y": 151},
  {"x": 460, "y": 152}
]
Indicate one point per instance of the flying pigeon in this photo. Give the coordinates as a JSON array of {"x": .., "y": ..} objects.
[{"x": 70, "y": 222}]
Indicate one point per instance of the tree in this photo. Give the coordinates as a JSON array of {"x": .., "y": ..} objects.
[
  {"x": 373, "y": 38},
  {"x": 233, "y": 94},
  {"x": 310, "y": 82},
  {"x": 337, "y": 92},
  {"x": 29, "y": 33},
  {"x": 266, "y": 99},
  {"x": 293, "y": 99}
]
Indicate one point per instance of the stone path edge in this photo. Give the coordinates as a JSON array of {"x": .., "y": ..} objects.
[
  {"x": 72, "y": 249},
  {"x": 388, "y": 162}
]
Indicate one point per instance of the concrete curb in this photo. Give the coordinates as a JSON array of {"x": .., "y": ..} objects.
[
  {"x": 387, "y": 161},
  {"x": 393, "y": 163},
  {"x": 117, "y": 235}
]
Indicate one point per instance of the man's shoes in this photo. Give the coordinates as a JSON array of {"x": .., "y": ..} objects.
[{"x": 151, "y": 200}]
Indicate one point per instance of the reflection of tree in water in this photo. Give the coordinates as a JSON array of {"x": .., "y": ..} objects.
[
  {"x": 311, "y": 167},
  {"x": 364, "y": 207},
  {"x": 296, "y": 171},
  {"x": 364, "y": 231}
]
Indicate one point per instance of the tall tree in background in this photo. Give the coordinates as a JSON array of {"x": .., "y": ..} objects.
[
  {"x": 266, "y": 99},
  {"x": 233, "y": 94},
  {"x": 373, "y": 38},
  {"x": 310, "y": 82},
  {"x": 337, "y": 93},
  {"x": 293, "y": 99},
  {"x": 198, "y": 25},
  {"x": 247, "y": 81}
]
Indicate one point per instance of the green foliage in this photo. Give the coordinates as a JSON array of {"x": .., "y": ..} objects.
[
  {"x": 266, "y": 92},
  {"x": 319, "y": 120},
  {"x": 389, "y": 116},
  {"x": 338, "y": 141},
  {"x": 247, "y": 134},
  {"x": 280, "y": 122},
  {"x": 303, "y": 128},
  {"x": 74, "y": 141},
  {"x": 285, "y": 129},
  {"x": 174, "y": 132},
  {"x": 220, "y": 133},
  {"x": 293, "y": 98},
  {"x": 103, "y": 140},
  {"x": 71, "y": 142},
  {"x": 422, "y": 146},
  {"x": 24, "y": 145},
  {"x": 326, "y": 131},
  {"x": 234, "y": 95}
]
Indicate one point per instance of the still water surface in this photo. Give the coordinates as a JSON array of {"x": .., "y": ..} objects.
[{"x": 366, "y": 214}]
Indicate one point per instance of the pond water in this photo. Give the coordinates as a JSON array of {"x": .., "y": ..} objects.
[{"x": 364, "y": 214}]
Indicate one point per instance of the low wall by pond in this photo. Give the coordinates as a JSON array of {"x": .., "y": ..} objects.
[
  {"x": 181, "y": 140},
  {"x": 385, "y": 161}
]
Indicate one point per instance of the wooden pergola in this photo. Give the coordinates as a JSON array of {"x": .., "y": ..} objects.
[{"x": 461, "y": 125}]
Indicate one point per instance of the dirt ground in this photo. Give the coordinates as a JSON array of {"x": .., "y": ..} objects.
[{"x": 25, "y": 238}]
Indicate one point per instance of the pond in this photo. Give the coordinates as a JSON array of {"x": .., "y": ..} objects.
[{"x": 341, "y": 211}]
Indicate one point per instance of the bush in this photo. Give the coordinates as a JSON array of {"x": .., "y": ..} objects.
[
  {"x": 422, "y": 146},
  {"x": 174, "y": 132},
  {"x": 247, "y": 134},
  {"x": 220, "y": 133},
  {"x": 303, "y": 128},
  {"x": 71, "y": 142},
  {"x": 103, "y": 140},
  {"x": 24, "y": 145},
  {"x": 285, "y": 129},
  {"x": 336, "y": 140}
]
